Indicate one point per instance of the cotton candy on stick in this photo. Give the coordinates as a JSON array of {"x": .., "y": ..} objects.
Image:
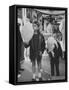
[
  {"x": 50, "y": 43},
  {"x": 27, "y": 32}
]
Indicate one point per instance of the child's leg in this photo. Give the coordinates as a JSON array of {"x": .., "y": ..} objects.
[
  {"x": 39, "y": 67},
  {"x": 57, "y": 66},
  {"x": 52, "y": 66},
  {"x": 34, "y": 69}
]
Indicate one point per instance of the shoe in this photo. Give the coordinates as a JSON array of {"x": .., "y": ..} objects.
[
  {"x": 40, "y": 79},
  {"x": 33, "y": 79}
]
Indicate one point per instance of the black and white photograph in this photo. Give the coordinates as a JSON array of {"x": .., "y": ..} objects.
[{"x": 41, "y": 44}]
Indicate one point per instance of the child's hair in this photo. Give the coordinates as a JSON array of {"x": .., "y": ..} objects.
[{"x": 58, "y": 34}]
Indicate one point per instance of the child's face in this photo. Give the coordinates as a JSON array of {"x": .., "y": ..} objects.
[{"x": 35, "y": 27}]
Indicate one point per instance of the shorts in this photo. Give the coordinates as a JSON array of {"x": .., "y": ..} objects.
[{"x": 37, "y": 59}]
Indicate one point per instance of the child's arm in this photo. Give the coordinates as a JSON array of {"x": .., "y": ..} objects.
[{"x": 43, "y": 44}]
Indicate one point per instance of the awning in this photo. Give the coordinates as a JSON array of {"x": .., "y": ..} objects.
[{"x": 49, "y": 12}]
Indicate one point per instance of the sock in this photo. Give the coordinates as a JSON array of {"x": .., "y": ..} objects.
[
  {"x": 39, "y": 75},
  {"x": 34, "y": 76},
  {"x": 37, "y": 79},
  {"x": 41, "y": 70}
]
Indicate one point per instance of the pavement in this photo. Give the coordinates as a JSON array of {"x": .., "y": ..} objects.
[{"x": 26, "y": 75}]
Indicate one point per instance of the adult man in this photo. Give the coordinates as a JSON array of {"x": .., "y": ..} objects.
[{"x": 37, "y": 46}]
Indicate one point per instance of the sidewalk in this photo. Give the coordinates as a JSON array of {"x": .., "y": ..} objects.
[{"x": 26, "y": 75}]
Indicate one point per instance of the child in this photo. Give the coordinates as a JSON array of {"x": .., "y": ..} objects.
[
  {"x": 37, "y": 46},
  {"x": 55, "y": 52}
]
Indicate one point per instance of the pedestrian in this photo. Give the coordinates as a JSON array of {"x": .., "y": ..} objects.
[
  {"x": 20, "y": 51},
  {"x": 37, "y": 46}
]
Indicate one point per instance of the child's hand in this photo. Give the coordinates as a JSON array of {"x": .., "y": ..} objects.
[
  {"x": 27, "y": 43},
  {"x": 52, "y": 53}
]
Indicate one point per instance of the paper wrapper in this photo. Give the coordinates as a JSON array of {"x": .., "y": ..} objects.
[{"x": 27, "y": 32}]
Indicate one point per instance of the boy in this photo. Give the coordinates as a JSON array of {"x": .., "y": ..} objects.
[
  {"x": 37, "y": 46},
  {"x": 55, "y": 52}
]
